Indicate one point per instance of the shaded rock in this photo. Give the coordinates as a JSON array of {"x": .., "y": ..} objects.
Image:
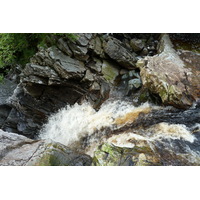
[
  {"x": 95, "y": 86},
  {"x": 170, "y": 77},
  {"x": 135, "y": 83},
  {"x": 88, "y": 76},
  {"x": 140, "y": 64},
  {"x": 63, "y": 46},
  {"x": 33, "y": 103},
  {"x": 97, "y": 47},
  {"x": 40, "y": 75},
  {"x": 79, "y": 52},
  {"x": 4, "y": 113},
  {"x": 95, "y": 65},
  {"x": 137, "y": 44},
  {"x": 109, "y": 71},
  {"x": 6, "y": 90},
  {"x": 17, "y": 150},
  {"x": 117, "y": 52}
]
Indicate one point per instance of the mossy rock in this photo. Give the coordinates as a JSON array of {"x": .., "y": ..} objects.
[
  {"x": 111, "y": 155},
  {"x": 109, "y": 71},
  {"x": 56, "y": 154}
]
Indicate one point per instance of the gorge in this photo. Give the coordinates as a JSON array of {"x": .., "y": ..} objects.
[{"x": 104, "y": 100}]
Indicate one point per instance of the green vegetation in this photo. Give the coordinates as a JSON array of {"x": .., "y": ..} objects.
[{"x": 20, "y": 47}]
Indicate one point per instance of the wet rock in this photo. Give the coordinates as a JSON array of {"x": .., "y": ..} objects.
[
  {"x": 33, "y": 103},
  {"x": 137, "y": 44},
  {"x": 170, "y": 77},
  {"x": 4, "y": 113},
  {"x": 134, "y": 83},
  {"x": 109, "y": 71},
  {"x": 17, "y": 150},
  {"x": 117, "y": 52},
  {"x": 111, "y": 155},
  {"x": 7, "y": 88}
]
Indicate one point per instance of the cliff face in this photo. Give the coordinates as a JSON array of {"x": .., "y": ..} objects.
[
  {"x": 94, "y": 68},
  {"x": 73, "y": 71}
]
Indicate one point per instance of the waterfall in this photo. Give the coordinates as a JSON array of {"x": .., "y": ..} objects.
[
  {"x": 74, "y": 122},
  {"x": 113, "y": 123}
]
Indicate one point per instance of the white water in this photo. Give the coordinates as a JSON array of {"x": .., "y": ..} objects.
[
  {"x": 72, "y": 123},
  {"x": 77, "y": 121},
  {"x": 157, "y": 132}
]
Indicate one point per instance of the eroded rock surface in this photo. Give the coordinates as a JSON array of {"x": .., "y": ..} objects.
[
  {"x": 171, "y": 77},
  {"x": 17, "y": 150}
]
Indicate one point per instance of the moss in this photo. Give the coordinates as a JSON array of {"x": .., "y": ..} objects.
[
  {"x": 110, "y": 155},
  {"x": 185, "y": 45},
  {"x": 48, "y": 159},
  {"x": 110, "y": 72}
]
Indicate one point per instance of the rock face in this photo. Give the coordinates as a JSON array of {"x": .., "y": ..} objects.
[
  {"x": 17, "y": 150},
  {"x": 171, "y": 77},
  {"x": 6, "y": 90},
  {"x": 72, "y": 71},
  {"x": 117, "y": 52}
]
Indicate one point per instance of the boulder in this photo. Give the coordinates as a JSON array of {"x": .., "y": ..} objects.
[
  {"x": 169, "y": 76},
  {"x": 17, "y": 150},
  {"x": 137, "y": 44},
  {"x": 111, "y": 155},
  {"x": 115, "y": 50},
  {"x": 95, "y": 65}
]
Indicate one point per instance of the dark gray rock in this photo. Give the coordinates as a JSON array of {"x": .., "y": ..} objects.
[
  {"x": 65, "y": 66},
  {"x": 79, "y": 52},
  {"x": 120, "y": 54},
  {"x": 4, "y": 112},
  {"x": 40, "y": 75},
  {"x": 83, "y": 38},
  {"x": 95, "y": 65},
  {"x": 6, "y": 90},
  {"x": 137, "y": 44},
  {"x": 17, "y": 150},
  {"x": 97, "y": 47},
  {"x": 63, "y": 46}
]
